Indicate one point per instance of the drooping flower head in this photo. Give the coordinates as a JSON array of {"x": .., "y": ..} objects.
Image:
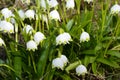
[
  {"x": 6, "y": 27},
  {"x": 43, "y": 3},
  {"x": 60, "y": 62},
  {"x": 70, "y": 4},
  {"x": 81, "y": 70},
  {"x": 39, "y": 37},
  {"x": 57, "y": 63},
  {"x": 21, "y": 14},
  {"x": 52, "y": 3},
  {"x": 30, "y": 14},
  {"x": 88, "y": 1},
  {"x": 84, "y": 37},
  {"x": 63, "y": 38},
  {"x": 64, "y": 59},
  {"x": 54, "y": 15},
  {"x": 31, "y": 45},
  {"x": 1, "y": 42},
  {"x": 28, "y": 29},
  {"x": 115, "y": 9},
  {"x": 6, "y": 13}
]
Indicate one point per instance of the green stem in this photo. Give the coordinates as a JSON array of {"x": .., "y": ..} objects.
[
  {"x": 8, "y": 55},
  {"x": 33, "y": 62},
  {"x": 114, "y": 35},
  {"x": 17, "y": 59},
  {"x": 64, "y": 11}
]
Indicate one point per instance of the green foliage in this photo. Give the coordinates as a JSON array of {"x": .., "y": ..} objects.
[{"x": 100, "y": 55}]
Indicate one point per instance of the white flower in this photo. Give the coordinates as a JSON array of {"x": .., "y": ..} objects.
[
  {"x": 6, "y": 13},
  {"x": 54, "y": 15},
  {"x": 57, "y": 62},
  {"x": 53, "y": 3},
  {"x": 70, "y": 4},
  {"x": 28, "y": 29},
  {"x": 12, "y": 20},
  {"x": 1, "y": 42},
  {"x": 88, "y": 1},
  {"x": 21, "y": 14},
  {"x": 84, "y": 37},
  {"x": 31, "y": 45},
  {"x": 43, "y": 3},
  {"x": 81, "y": 70},
  {"x": 30, "y": 14},
  {"x": 63, "y": 38},
  {"x": 64, "y": 59},
  {"x": 115, "y": 9},
  {"x": 7, "y": 27},
  {"x": 44, "y": 18},
  {"x": 39, "y": 37}
]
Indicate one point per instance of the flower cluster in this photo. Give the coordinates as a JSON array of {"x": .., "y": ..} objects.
[
  {"x": 32, "y": 44},
  {"x": 60, "y": 62}
]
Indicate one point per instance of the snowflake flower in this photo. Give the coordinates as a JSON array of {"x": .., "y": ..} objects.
[
  {"x": 39, "y": 37},
  {"x": 84, "y": 37},
  {"x": 81, "y": 70},
  {"x": 31, "y": 45},
  {"x": 63, "y": 38}
]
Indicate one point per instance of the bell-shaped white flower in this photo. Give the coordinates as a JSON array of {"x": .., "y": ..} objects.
[
  {"x": 6, "y": 27},
  {"x": 58, "y": 63},
  {"x": 81, "y": 70},
  {"x": 63, "y": 38},
  {"x": 53, "y": 3},
  {"x": 1, "y": 42},
  {"x": 6, "y": 13},
  {"x": 31, "y": 45},
  {"x": 30, "y": 14},
  {"x": 70, "y": 4},
  {"x": 28, "y": 29},
  {"x": 21, "y": 14},
  {"x": 64, "y": 59},
  {"x": 39, "y": 37},
  {"x": 88, "y": 1},
  {"x": 115, "y": 9},
  {"x": 43, "y": 3},
  {"x": 54, "y": 15},
  {"x": 84, "y": 37}
]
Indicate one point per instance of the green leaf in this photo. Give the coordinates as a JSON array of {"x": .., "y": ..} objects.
[
  {"x": 116, "y": 47},
  {"x": 69, "y": 24},
  {"x": 98, "y": 46},
  {"x": 94, "y": 68},
  {"x": 88, "y": 60},
  {"x": 114, "y": 53},
  {"x": 109, "y": 62},
  {"x": 42, "y": 62},
  {"x": 63, "y": 76},
  {"x": 89, "y": 52},
  {"x": 72, "y": 66}
]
